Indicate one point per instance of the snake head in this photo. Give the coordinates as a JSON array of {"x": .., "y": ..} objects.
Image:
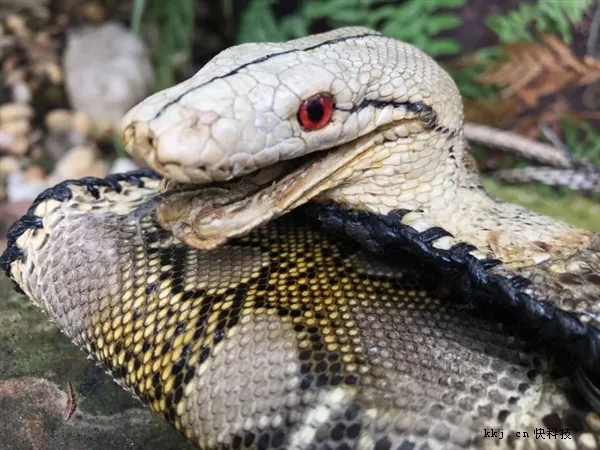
[
  {"x": 254, "y": 105},
  {"x": 328, "y": 104},
  {"x": 350, "y": 116}
]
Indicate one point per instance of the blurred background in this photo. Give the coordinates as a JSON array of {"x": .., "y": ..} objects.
[{"x": 71, "y": 69}]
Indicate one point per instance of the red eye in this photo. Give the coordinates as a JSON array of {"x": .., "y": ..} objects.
[{"x": 315, "y": 112}]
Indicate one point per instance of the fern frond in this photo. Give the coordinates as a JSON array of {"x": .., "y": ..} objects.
[
  {"x": 583, "y": 139},
  {"x": 467, "y": 70},
  {"x": 259, "y": 24},
  {"x": 547, "y": 16},
  {"x": 414, "y": 21},
  {"x": 534, "y": 70},
  {"x": 174, "y": 22}
]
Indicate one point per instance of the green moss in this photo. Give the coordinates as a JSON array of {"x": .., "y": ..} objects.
[
  {"x": 563, "y": 204},
  {"x": 31, "y": 346}
]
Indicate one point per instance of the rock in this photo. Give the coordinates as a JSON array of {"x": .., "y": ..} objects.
[
  {"x": 15, "y": 124},
  {"x": 81, "y": 123},
  {"x": 93, "y": 11},
  {"x": 107, "y": 71},
  {"x": 9, "y": 164},
  {"x": 42, "y": 424},
  {"x": 122, "y": 165},
  {"x": 20, "y": 190},
  {"x": 59, "y": 120},
  {"x": 11, "y": 112},
  {"x": 37, "y": 364},
  {"x": 79, "y": 162},
  {"x": 17, "y": 145},
  {"x": 34, "y": 173},
  {"x": 21, "y": 92}
]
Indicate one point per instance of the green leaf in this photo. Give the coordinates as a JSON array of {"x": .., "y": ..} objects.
[
  {"x": 441, "y": 47},
  {"x": 443, "y": 22},
  {"x": 450, "y": 4},
  {"x": 319, "y": 10},
  {"x": 136, "y": 16},
  {"x": 259, "y": 24},
  {"x": 546, "y": 16},
  {"x": 382, "y": 13},
  {"x": 410, "y": 32},
  {"x": 582, "y": 139},
  {"x": 294, "y": 26},
  {"x": 349, "y": 16},
  {"x": 410, "y": 11},
  {"x": 412, "y": 21}
]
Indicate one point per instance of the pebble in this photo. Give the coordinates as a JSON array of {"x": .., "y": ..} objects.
[
  {"x": 17, "y": 127},
  {"x": 18, "y": 189},
  {"x": 56, "y": 144},
  {"x": 93, "y": 11},
  {"x": 81, "y": 161},
  {"x": 9, "y": 164},
  {"x": 34, "y": 173},
  {"x": 107, "y": 71},
  {"x": 122, "y": 165},
  {"x": 17, "y": 25},
  {"x": 15, "y": 111},
  {"x": 66, "y": 129},
  {"x": 21, "y": 92},
  {"x": 81, "y": 123},
  {"x": 59, "y": 120},
  {"x": 53, "y": 72},
  {"x": 10, "y": 143}
]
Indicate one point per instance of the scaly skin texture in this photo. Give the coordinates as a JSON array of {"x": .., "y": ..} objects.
[
  {"x": 288, "y": 337},
  {"x": 282, "y": 336},
  {"x": 396, "y": 130},
  {"x": 395, "y": 142}
]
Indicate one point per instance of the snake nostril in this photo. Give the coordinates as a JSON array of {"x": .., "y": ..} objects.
[
  {"x": 151, "y": 141},
  {"x": 139, "y": 139}
]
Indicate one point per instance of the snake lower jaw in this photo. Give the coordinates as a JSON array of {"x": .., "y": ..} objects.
[{"x": 206, "y": 222}]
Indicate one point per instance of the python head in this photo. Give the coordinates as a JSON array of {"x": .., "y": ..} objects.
[
  {"x": 348, "y": 116},
  {"x": 301, "y": 118},
  {"x": 255, "y": 105}
]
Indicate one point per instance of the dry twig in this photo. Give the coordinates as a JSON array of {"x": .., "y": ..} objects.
[
  {"x": 514, "y": 143},
  {"x": 582, "y": 180},
  {"x": 71, "y": 403}
]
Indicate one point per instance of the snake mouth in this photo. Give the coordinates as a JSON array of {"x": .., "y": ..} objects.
[{"x": 206, "y": 216}]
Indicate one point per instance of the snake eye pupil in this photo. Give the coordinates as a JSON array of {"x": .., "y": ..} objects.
[{"x": 315, "y": 112}]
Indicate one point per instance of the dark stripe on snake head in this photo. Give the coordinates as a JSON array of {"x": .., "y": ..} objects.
[{"x": 258, "y": 61}]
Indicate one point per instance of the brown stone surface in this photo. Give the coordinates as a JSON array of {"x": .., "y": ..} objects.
[{"x": 36, "y": 364}]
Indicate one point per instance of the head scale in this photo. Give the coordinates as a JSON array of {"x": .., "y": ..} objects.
[{"x": 242, "y": 111}]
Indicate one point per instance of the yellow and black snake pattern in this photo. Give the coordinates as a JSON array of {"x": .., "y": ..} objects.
[
  {"x": 403, "y": 309},
  {"x": 288, "y": 337}
]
